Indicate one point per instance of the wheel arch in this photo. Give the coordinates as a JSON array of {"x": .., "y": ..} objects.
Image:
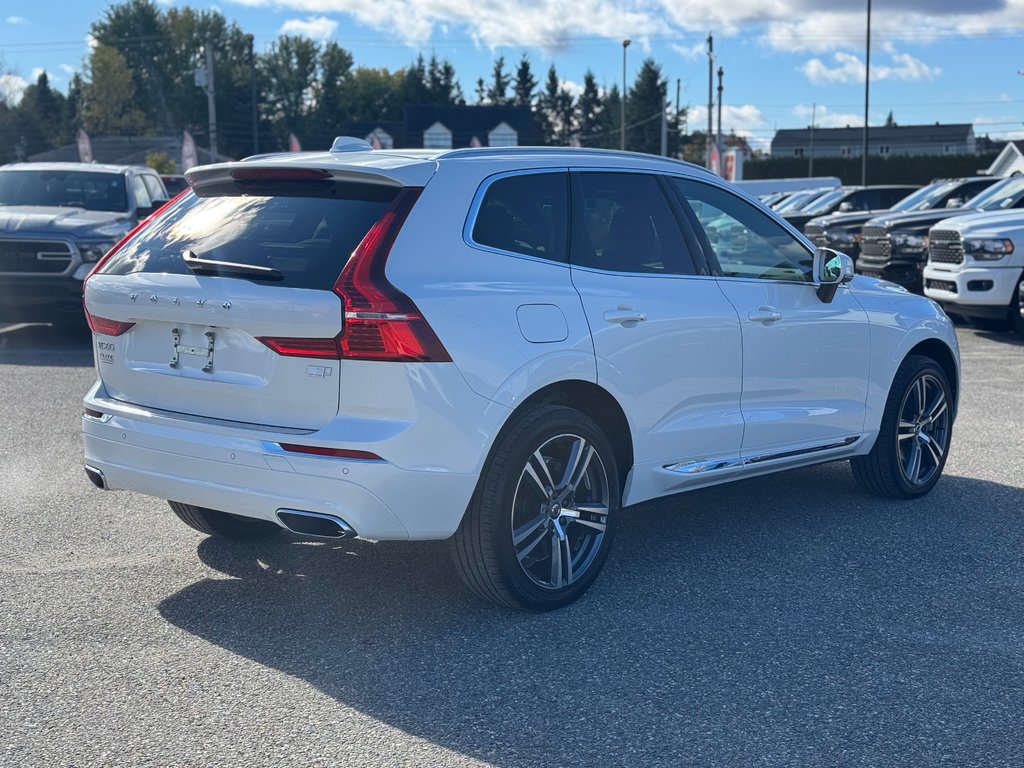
[
  {"x": 939, "y": 351},
  {"x": 597, "y": 403}
]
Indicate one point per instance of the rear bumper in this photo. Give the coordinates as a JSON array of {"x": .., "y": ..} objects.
[
  {"x": 42, "y": 299},
  {"x": 241, "y": 469}
]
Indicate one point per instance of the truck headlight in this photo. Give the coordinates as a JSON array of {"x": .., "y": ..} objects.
[
  {"x": 96, "y": 250},
  {"x": 909, "y": 242},
  {"x": 841, "y": 238},
  {"x": 988, "y": 249}
]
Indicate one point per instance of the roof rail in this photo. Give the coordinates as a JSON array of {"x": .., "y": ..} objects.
[{"x": 494, "y": 151}]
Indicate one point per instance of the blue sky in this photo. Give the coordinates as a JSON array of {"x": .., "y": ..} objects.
[{"x": 932, "y": 60}]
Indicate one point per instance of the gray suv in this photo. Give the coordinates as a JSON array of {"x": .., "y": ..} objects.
[{"x": 56, "y": 221}]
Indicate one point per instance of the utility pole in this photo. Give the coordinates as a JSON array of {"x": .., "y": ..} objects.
[
  {"x": 711, "y": 95},
  {"x": 210, "y": 100},
  {"x": 622, "y": 117},
  {"x": 867, "y": 91},
  {"x": 718, "y": 139},
  {"x": 252, "y": 90},
  {"x": 810, "y": 161}
]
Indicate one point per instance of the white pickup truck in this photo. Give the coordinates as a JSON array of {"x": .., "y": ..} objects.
[{"x": 975, "y": 265}]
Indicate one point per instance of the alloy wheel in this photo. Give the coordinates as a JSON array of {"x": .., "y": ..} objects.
[
  {"x": 560, "y": 511},
  {"x": 923, "y": 431}
]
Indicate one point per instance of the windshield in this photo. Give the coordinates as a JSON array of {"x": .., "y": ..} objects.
[
  {"x": 926, "y": 197},
  {"x": 798, "y": 199},
  {"x": 825, "y": 203},
  {"x": 1003, "y": 194},
  {"x": 90, "y": 190}
]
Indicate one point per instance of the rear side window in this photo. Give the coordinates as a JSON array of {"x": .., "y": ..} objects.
[
  {"x": 624, "y": 223},
  {"x": 526, "y": 214},
  {"x": 307, "y": 237}
]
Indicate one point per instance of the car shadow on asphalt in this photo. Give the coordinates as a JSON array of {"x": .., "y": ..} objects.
[
  {"x": 789, "y": 619},
  {"x": 40, "y": 344}
]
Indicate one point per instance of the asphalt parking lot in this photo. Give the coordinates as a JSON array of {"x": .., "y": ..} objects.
[{"x": 783, "y": 621}]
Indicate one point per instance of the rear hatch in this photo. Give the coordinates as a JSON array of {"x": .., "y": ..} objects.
[{"x": 223, "y": 306}]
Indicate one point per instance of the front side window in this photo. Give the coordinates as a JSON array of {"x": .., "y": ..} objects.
[
  {"x": 624, "y": 223},
  {"x": 140, "y": 193},
  {"x": 525, "y": 214},
  {"x": 746, "y": 242}
]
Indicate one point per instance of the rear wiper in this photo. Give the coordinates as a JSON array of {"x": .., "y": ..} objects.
[{"x": 212, "y": 267}]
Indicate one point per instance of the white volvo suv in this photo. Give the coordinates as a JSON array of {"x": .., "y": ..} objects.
[{"x": 502, "y": 347}]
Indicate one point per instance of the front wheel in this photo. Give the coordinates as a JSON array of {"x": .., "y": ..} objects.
[
  {"x": 541, "y": 522},
  {"x": 913, "y": 441}
]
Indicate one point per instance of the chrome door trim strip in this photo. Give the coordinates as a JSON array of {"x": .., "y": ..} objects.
[{"x": 716, "y": 465}]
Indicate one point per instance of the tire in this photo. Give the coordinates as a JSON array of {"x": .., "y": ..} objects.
[
  {"x": 1016, "y": 307},
  {"x": 528, "y": 540},
  {"x": 224, "y": 525},
  {"x": 910, "y": 453}
]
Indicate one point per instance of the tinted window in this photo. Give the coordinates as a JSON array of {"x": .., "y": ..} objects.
[
  {"x": 746, "y": 242},
  {"x": 525, "y": 214},
  {"x": 140, "y": 193},
  {"x": 154, "y": 187},
  {"x": 69, "y": 189},
  {"x": 307, "y": 239},
  {"x": 624, "y": 223}
]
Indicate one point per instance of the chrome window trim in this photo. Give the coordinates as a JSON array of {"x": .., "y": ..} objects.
[{"x": 477, "y": 203}]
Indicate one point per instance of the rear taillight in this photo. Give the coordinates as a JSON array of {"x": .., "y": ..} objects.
[
  {"x": 381, "y": 323},
  {"x": 105, "y": 326},
  {"x": 337, "y": 453}
]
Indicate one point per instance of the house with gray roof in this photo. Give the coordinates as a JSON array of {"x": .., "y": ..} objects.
[{"x": 883, "y": 140}]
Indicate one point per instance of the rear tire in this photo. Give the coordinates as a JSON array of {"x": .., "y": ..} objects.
[
  {"x": 223, "y": 525},
  {"x": 541, "y": 522},
  {"x": 1016, "y": 307},
  {"x": 913, "y": 442}
]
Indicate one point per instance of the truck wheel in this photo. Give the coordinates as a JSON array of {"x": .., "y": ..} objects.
[
  {"x": 222, "y": 524},
  {"x": 538, "y": 529},
  {"x": 913, "y": 442}
]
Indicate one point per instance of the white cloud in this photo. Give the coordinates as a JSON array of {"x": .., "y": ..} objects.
[
  {"x": 742, "y": 119},
  {"x": 572, "y": 87},
  {"x": 18, "y": 21},
  {"x": 849, "y": 68},
  {"x": 315, "y": 28},
  {"x": 823, "y": 117},
  {"x": 11, "y": 88},
  {"x": 36, "y": 72},
  {"x": 690, "y": 52},
  {"x": 67, "y": 69}
]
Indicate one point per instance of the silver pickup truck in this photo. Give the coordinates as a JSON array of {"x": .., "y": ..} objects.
[{"x": 56, "y": 221}]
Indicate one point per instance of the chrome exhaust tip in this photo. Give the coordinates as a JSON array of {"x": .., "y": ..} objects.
[
  {"x": 96, "y": 476},
  {"x": 315, "y": 524}
]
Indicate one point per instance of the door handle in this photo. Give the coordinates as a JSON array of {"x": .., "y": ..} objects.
[
  {"x": 765, "y": 315},
  {"x": 626, "y": 316}
]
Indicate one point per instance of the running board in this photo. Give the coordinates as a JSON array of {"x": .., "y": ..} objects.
[{"x": 715, "y": 465}]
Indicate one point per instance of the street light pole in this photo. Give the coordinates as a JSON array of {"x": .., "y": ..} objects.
[
  {"x": 711, "y": 96},
  {"x": 622, "y": 117},
  {"x": 867, "y": 91}
]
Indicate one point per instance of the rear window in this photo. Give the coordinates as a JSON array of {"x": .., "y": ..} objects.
[
  {"x": 306, "y": 235},
  {"x": 64, "y": 189},
  {"x": 526, "y": 214}
]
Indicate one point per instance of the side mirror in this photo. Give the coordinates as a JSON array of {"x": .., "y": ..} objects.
[
  {"x": 831, "y": 269},
  {"x": 846, "y": 206}
]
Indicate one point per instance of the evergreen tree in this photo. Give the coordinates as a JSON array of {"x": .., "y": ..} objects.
[
  {"x": 608, "y": 120},
  {"x": 497, "y": 94},
  {"x": 481, "y": 90},
  {"x": 414, "y": 87},
  {"x": 644, "y": 109},
  {"x": 525, "y": 84},
  {"x": 588, "y": 110},
  {"x": 49, "y": 109}
]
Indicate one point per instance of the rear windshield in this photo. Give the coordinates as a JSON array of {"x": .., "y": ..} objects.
[
  {"x": 306, "y": 235},
  {"x": 64, "y": 189}
]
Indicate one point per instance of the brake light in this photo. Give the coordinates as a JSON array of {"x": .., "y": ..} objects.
[
  {"x": 105, "y": 326},
  {"x": 338, "y": 453},
  {"x": 279, "y": 174},
  {"x": 380, "y": 322}
]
